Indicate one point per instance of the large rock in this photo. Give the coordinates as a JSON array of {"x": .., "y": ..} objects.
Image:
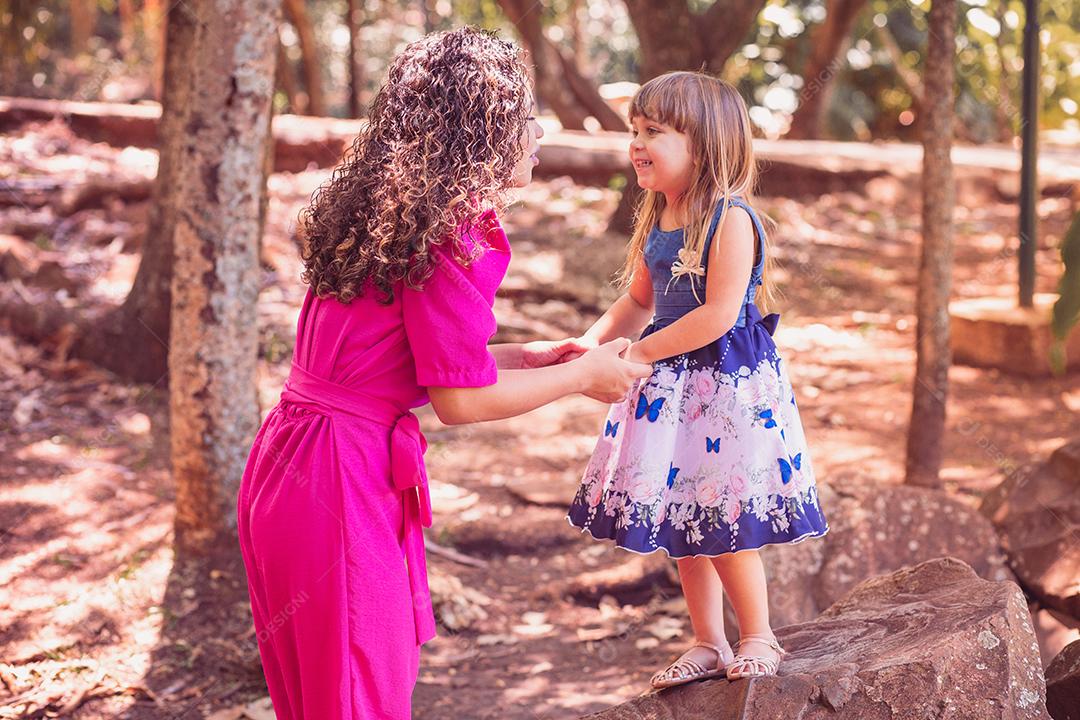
[
  {"x": 875, "y": 530},
  {"x": 1063, "y": 684},
  {"x": 1037, "y": 512},
  {"x": 930, "y": 641}
]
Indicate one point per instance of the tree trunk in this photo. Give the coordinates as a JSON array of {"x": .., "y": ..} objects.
[
  {"x": 826, "y": 41},
  {"x": 559, "y": 82},
  {"x": 674, "y": 37},
  {"x": 622, "y": 220},
  {"x": 927, "y": 428},
  {"x": 354, "y": 19},
  {"x": 212, "y": 358},
  {"x": 133, "y": 339},
  {"x": 285, "y": 77},
  {"x": 723, "y": 29},
  {"x": 83, "y": 21},
  {"x": 579, "y": 50},
  {"x": 296, "y": 11},
  {"x": 154, "y": 26}
]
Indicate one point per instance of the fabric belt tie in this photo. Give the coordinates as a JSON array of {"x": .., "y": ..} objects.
[
  {"x": 407, "y": 472},
  {"x": 749, "y": 315}
]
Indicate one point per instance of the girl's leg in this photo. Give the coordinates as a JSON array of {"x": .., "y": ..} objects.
[
  {"x": 705, "y": 602},
  {"x": 743, "y": 577}
]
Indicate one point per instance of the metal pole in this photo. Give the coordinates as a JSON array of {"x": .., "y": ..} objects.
[{"x": 1029, "y": 131}]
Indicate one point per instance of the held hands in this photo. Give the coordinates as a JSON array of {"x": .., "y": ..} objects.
[{"x": 609, "y": 373}]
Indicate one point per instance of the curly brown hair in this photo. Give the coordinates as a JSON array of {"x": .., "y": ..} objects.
[{"x": 440, "y": 147}]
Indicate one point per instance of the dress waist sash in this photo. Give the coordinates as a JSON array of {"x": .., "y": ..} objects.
[{"x": 407, "y": 446}]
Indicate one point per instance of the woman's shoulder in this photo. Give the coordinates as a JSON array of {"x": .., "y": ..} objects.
[{"x": 482, "y": 233}]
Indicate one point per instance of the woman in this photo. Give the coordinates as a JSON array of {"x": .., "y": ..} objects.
[{"x": 403, "y": 254}]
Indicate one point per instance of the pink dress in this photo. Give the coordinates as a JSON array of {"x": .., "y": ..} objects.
[{"x": 334, "y": 496}]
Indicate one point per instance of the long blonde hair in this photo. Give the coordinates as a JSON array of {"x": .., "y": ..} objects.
[{"x": 713, "y": 115}]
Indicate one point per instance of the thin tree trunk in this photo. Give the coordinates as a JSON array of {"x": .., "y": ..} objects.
[
  {"x": 909, "y": 77},
  {"x": 296, "y": 11},
  {"x": 933, "y": 355},
  {"x": 212, "y": 358},
  {"x": 821, "y": 68},
  {"x": 155, "y": 23},
  {"x": 354, "y": 19},
  {"x": 83, "y": 21},
  {"x": 285, "y": 76},
  {"x": 126, "y": 10},
  {"x": 579, "y": 47}
]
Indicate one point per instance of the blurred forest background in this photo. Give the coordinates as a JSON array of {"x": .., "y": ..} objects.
[
  {"x": 106, "y": 50},
  {"x": 124, "y": 595}
]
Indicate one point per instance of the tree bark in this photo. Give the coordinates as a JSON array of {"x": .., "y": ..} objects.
[
  {"x": 83, "y": 20},
  {"x": 559, "y": 82},
  {"x": 133, "y": 339},
  {"x": 826, "y": 40},
  {"x": 212, "y": 357},
  {"x": 354, "y": 13},
  {"x": 154, "y": 27},
  {"x": 674, "y": 37},
  {"x": 126, "y": 10},
  {"x": 285, "y": 77},
  {"x": 296, "y": 12},
  {"x": 933, "y": 355}
]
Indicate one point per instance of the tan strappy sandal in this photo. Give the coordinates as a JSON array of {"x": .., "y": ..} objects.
[
  {"x": 685, "y": 670},
  {"x": 748, "y": 666}
]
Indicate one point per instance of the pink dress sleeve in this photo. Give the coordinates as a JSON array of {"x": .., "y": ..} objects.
[{"x": 449, "y": 323}]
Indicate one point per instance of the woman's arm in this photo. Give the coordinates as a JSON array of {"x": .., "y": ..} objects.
[
  {"x": 628, "y": 315},
  {"x": 599, "y": 373},
  {"x": 731, "y": 259},
  {"x": 536, "y": 354},
  {"x": 508, "y": 356}
]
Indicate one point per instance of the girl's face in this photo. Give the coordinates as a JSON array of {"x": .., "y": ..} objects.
[
  {"x": 529, "y": 136},
  {"x": 661, "y": 157}
]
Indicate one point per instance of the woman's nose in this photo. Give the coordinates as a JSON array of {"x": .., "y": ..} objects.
[{"x": 539, "y": 131}]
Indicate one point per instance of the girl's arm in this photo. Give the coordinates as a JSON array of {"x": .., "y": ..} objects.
[
  {"x": 731, "y": 259},
  {"x": 599, "y": 373},
  {"x": 628, "y": 315}
]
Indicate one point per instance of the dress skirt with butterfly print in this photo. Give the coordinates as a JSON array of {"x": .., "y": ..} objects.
[{"x": 707, "y": 456}]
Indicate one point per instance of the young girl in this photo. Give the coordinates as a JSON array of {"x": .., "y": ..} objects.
[
  {"x": 706, "y": 459},
  {"x": 403, "y": 254}
]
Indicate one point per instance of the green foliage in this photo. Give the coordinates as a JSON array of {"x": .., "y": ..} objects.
[{"x": 870, "y": 97}]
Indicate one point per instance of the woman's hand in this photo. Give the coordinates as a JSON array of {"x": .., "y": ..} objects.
[
  {"x": 634, "y": 354},
  {"x": 584, "y": 343},
  {"x": 609, "y": 377},
  {"x": 542, "y": 353}
]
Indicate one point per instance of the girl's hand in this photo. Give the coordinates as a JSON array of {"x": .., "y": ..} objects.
[{"x": 542, "y": 353}]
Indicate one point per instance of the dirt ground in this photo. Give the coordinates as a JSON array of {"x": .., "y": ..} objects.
[{"x": 95, "y": 614}]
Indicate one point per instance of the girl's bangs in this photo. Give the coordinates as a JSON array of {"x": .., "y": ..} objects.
[{"x": 665, "y": 99}]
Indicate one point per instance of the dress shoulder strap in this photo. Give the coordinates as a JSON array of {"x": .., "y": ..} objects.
[{"x": 759, "y": 230}]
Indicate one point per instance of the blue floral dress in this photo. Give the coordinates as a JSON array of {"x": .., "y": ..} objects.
[{"x": 707, "y": 456}]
